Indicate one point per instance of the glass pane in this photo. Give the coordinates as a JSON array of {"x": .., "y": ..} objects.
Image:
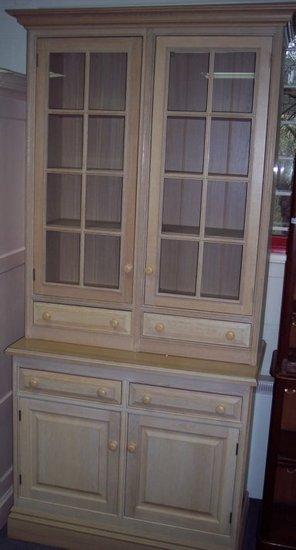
[
  {"x": 107, "y": 81},
  {"x": 281, "y": 214},
  {"x": 287, "y": 139},
  {"x": 233, "y": 85},
  {"x": 283, "y": 172},
  {"x": 225, "y": 211},
  {"x": 105, "y": 143},
  {"x": 62, "y": 257},
  {"x": 103, "y": 202},
  {"x": 178, "y": 267},
  {"x": 181, "y": 205},
  {"x": 185, "y": 144},
  {"x": 66, "y": 81},
  {"x": 230, "y": 147},
  {"x": 221, "y": 271},
  {"x": 63, "y": 199},
  {"x": 101, "y": 261},
  {"x": 64, "y": 141},
  {"x": 188, "y": 85}
]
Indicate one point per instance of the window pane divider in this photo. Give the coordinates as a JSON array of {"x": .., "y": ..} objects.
[
  {"x": 63, "y": 229},
  {"x": 102, "y": 172},
  {"x": 105, "y": 112},
  {"x": 73, "y": 112},
  {"x": 224, "y": 240},
  {"x": 205, "y": 174},
  {"x": 184, "y": 175},
  {"x": 93, "y": 231},
  {"x": 84, "y": 166},
  {"x": 180, "y": 237},
  {"x": 64, "y": 171},
  {"x": 215, "y": 114},
  {"x": 81, "y": 112},
  {"x": 209, "y": 177}
]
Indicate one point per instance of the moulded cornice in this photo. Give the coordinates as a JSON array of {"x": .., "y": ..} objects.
[{"x": 265, "y": 14}]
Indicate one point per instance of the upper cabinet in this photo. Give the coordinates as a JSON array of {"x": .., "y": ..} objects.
[
  {"x": 87, "y": 121},
  {"x": 151, "y": 138},
  {"x": 208, "y": 145}
]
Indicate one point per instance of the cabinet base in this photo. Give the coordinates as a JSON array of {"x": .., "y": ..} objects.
[{"x": 66, "y": 535}]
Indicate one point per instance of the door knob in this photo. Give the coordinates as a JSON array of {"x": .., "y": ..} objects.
[
  {"x": 46, "y": 316},
  {"x": 128, "y": 268},
  {"x": 112, "y": 445},
  {"x": 34, "y": 383},
  {"x": 132, "y": 447}
]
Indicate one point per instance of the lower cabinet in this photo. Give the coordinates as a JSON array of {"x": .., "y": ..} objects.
[
  {"x": 154, "y": 459},
  {"x": 180, "y": 473},
  {"x": 69, "y": 454}
]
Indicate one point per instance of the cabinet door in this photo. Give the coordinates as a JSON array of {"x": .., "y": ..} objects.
[
  {"x": 85, "y": 167},
  {"x": 208, "y": 141},
  {"x": 181, "y": 473},
  {"x": 69, "y": 455}
]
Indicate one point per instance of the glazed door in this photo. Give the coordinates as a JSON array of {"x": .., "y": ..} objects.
[
  {"x": 208, "y": 141},
  {"x": 69, "y": 455},
  {"x": 86, "y": 167},
  {"x": 180, "y": 473}
]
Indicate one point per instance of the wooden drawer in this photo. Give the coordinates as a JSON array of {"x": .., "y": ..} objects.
[
  {"x": 175, "y": 400},
  {"x": 83, "y": 318},
  {"x": 197, "y": 330},
  {"x": 51, "y": 383}
]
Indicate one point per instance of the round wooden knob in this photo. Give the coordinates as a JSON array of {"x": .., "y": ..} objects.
[
  {"x": 132, "y": 447},
  {"x": 147, "y": 399},
  {"x": 34, "y": 383},
  {"x": 101, "y": 392},
  {"x": 230, "y": 335},
  {"x": 148, "y": 270},
  {"x": 46, "y": 316},
  {"x": 114, "y": 323},
  {"x": 220, "y": 409},
  {"x": 159, "y": 327},
  {"x": 128, "y": 268},
  {"x": 112, "y": 445}
]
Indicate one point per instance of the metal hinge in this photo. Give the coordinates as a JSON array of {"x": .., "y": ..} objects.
[
  {"x": 20, "y": 479},
  {"x": 230, "y": 517},
  {"x": 34, "y": 274},
  {"x": 20, "y": 415},
  {"x": 236, "y": 450}
]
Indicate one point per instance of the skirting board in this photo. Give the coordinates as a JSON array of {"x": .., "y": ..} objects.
[
  {"x": 52, "y": 532},
  {"x": 6, "y": 502},
  {"x": 65, "y": 535}
]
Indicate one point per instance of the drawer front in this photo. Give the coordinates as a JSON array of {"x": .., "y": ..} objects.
[
  {"x": 51, "y": 383},
  {"x": 83, "y": 318},
  {"x": 197, "y": 330},
  {"x": 175, "y": 400}
]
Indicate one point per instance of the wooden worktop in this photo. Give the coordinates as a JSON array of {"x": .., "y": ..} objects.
[{"x": 91, "y": 354}]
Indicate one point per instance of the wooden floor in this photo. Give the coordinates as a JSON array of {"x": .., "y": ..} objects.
[{"x": 249, "y": 540}]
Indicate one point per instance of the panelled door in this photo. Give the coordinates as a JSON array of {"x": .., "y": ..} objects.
[
  {"x": 180, "y": 473},
  {"x": 87, "y": 120},
  {"x": 69, "y": 455},
  {"x": 208, "y": 142}
]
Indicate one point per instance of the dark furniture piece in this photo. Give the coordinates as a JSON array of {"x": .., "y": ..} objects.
[{"x": 278, "y": 523}]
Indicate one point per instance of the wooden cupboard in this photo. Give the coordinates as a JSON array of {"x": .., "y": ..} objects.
[
  {"x": 137, "y": 447},
  {"x": 151, "y": 135}
]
